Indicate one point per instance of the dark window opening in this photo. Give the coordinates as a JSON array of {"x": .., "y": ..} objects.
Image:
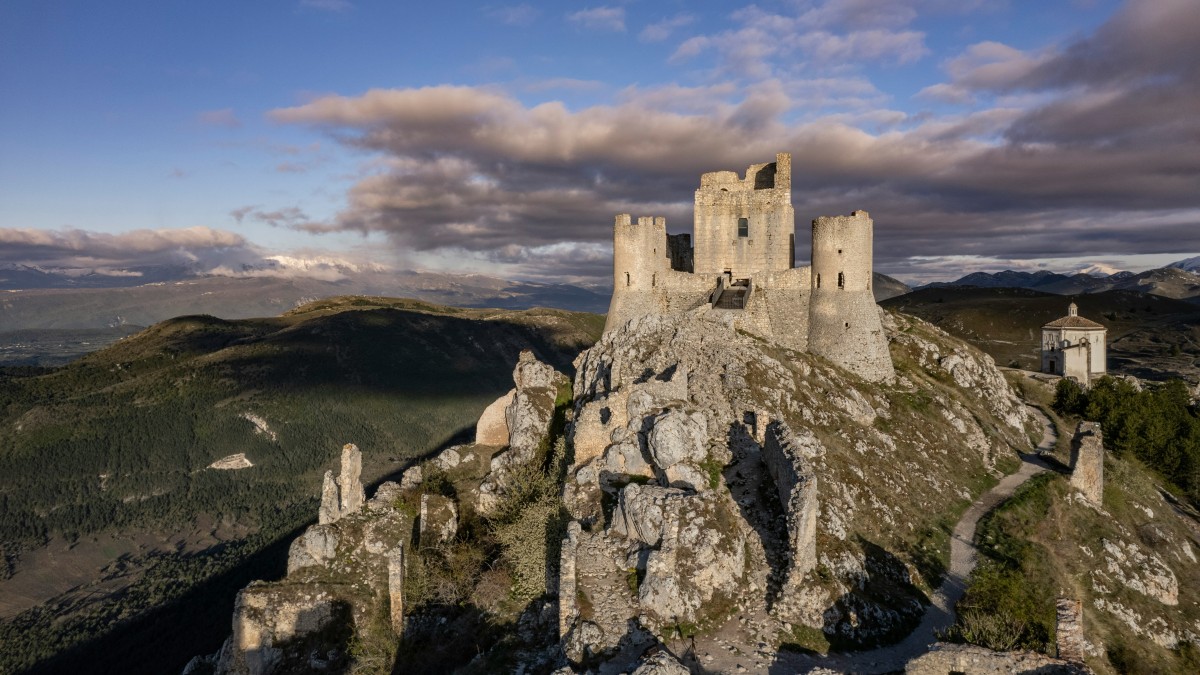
[
  {"x": 653, "y": 280},
  {"x": 743, "y": 227},
  {"x": 627, "y": 278},
  {"x": 818, "y": 281},
  {"x": 847, "y": 324},
  {"x": 839, "y": 251},
  {"x": 841, "y": 280}
]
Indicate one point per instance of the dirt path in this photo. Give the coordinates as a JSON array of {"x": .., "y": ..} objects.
[{"x": 940, "y": 614}]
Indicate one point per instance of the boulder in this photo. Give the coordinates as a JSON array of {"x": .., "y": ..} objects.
[
  {"x": 316, "y": 547},
  {"x": 492, "y": 427},
  {"x": 678, "y": 445}
]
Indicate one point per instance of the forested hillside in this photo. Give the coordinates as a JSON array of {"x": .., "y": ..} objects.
[{"x": 116, "y": 446}]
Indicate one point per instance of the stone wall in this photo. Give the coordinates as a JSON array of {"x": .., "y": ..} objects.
[
  {"x": 1068, "y": 633},
  {"x": 948, "y": 658},
  {"x": 1087, "y": 462},
  {"x": 785, "y": 456}
]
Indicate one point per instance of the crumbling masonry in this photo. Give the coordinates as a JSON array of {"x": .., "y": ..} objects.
[{"x": 741, "y": 264}]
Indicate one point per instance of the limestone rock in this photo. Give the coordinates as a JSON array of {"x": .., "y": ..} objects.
[
  {"x": 412, "y": 477},
  {"x": 232, "y": 462},
  {"x": 439, "y": 520},
  {"x": 492, "y": 427},
  {"x": 699, "y": 558},
  {"x": 343, "y": 495},
  {"x": 678, "y": 445},
  {"x": 315, "y": 547},
  {"x": 276, "y": 625},
  {"x": 661, "y": 663},
  {"x": 639, "y": 512},
  {"x": 530, "y": 373}
]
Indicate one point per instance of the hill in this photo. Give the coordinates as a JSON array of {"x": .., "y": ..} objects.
[
  {"x": 109, "y": 313},
  {"x": 111, "y": 507},
  {"x": 1150, "y": 336}
]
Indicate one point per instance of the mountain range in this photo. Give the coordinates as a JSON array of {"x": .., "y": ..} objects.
[{"x": 1179, "y": 280}]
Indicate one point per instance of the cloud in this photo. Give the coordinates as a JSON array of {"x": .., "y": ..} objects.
[
  {"x": 327, "y": 5},
  {"x": 188, "y": 251},
  {"x": 828, "y": 35},
  {"x": 219, "y": 118},
  {"x": 600, "y": 19},
  {"x": 514, "y": 15},
  {"x": 112, "y": 254},
  {"x": 1061, "y": 153},
  {"x": 661, "y": 30},
  {"x": 289, "y": 217}
]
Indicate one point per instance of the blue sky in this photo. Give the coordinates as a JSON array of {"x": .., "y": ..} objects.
[{"x": 502, "y": 138}]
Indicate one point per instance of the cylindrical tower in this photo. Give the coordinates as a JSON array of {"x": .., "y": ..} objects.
[
  {"x": 640, "y": 259},
  {"x": 844, "y": 324}
]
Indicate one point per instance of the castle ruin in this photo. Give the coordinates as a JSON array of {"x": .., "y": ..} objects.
[{"x": 740, "y": 263}]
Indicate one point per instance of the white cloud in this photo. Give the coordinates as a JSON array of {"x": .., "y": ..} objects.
[{"x": 600, "y": 18}]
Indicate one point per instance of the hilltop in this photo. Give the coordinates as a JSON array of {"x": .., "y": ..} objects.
[{"x": 111, "y": 510}]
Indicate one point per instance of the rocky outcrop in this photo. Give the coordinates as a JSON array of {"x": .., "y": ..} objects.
[
  {"x": 528, "y": 416},
  {"x": 343, "y": 495},
  {"x": 317, "y": 546},
  {"x": 232, "y": 462},
  {"x": 304, "y": 622},
  {"x": 950, "y": 658},
  {"x": 693, "y": 492},
  {"x": 438, "y": 522}
]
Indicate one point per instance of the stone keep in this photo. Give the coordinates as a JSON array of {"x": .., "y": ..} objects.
[{"x": 742, "y": 267}]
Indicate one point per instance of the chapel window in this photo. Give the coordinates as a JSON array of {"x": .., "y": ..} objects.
[
  {"x": 841, "y": 280},
  {"x": 743, "y": 227}
]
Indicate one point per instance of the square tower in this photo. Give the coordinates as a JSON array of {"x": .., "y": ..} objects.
[{"x": 745, "y": 225}]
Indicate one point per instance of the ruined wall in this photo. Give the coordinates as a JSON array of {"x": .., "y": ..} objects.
[
  {"x": 785, "y": 456},
  {"x": 679, "y": 250},
  {"x": 950, "y": 658},
  {"x": 764, "y": 198},
  {"x": 1087, "y": 462},
  {"x": 844, "y": 324}
]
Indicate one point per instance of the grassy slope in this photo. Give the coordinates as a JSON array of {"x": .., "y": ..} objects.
[
  {"x": 397, "y": 377},
  {"x": 1044, "y": 544}
]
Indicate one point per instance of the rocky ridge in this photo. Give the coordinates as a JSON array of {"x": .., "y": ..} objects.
[{"x": 731, "y": 492}]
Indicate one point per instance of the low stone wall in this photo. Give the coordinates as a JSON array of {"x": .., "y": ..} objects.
[{"x": 948, "y": 658}]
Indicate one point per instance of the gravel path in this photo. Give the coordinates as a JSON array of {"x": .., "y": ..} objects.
[{"x": 940, "y": 614}]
